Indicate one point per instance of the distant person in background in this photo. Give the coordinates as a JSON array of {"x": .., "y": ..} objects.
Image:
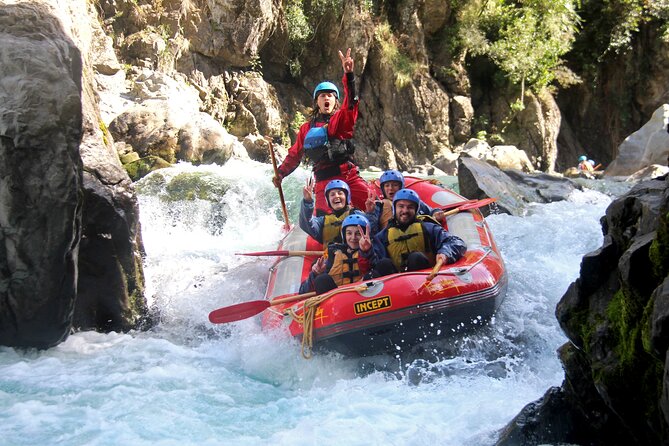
[
  {"x": 326, "y": 140},
  {"x": 585, "y": 167}
]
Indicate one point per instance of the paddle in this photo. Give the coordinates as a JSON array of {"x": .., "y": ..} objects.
[
  {"x": 472, "y": 205},
  {"x": 246, "y": 310},
  {"x": 457, "y": 204},
  {"x": 280, "y": 253},
  {"x": 276, "y": 173},
  {"x": 435, "y": 271}
]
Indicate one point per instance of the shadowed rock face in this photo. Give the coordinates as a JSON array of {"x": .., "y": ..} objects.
[
  {"x": 615, "y": 316},
  {"x": 40, "y": 177}
]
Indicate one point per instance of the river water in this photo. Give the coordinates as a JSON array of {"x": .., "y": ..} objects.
[{"x": 188, "y": 382}]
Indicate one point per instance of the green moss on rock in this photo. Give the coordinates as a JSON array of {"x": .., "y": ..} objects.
[
  {"x": 195, "y": 185},
  {"x": 659, "y": 249},
  {"x": 143, "y": 166},
  {"x": 624, "y": 313}
]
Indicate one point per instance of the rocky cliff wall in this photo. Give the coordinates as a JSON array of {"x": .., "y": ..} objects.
[
  {"x": 616, "y": 316},
  {"x": 40, "y": 176}
]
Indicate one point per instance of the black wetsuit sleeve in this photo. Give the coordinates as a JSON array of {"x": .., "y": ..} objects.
[{"x": 352, "y": 97}]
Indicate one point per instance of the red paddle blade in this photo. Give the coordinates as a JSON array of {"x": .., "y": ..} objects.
[
  {"x": 476, "y": 204},
  {"x": 238, "y": 312},
  {"x": 457, "y": 204}
]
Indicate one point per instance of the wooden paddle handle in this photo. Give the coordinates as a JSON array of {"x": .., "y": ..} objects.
[
  {"x": 283, "y": 300},
  {"x": 451, "y": 212},
  {"x": 305, "y": 253},
  {"x": 292, "y": 298},
  {"x": 276, "y": 173},
  {"x": 435, "y": 270}
]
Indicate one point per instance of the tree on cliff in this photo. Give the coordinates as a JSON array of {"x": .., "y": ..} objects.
[{"x": 525, "y": 39}]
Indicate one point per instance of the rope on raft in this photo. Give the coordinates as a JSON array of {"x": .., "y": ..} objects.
[{"x": 306, "y": 319}]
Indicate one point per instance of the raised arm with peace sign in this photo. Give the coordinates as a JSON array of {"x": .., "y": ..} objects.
[
  {"x": 365, "y": 243},
  {"x": 346, "y": 61}
]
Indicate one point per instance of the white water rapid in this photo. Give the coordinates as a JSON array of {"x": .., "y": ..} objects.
[{"x": 188, "y": 382}]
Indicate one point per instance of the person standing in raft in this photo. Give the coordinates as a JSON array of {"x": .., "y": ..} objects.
[
  {"x": 408, "y": 244},
  {"x": 345, "y": 262},
  {"x": 325, "y": 140},
  {"x": 326, "y": 228},
  {"x": 390, "y": 182}
]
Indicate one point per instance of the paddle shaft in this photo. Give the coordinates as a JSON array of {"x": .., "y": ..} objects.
[
  {"x": 472, "y": 205},
  {"x": 249, "y": 309},
  {"x": 435, "y": 270},
  {"x": 276, "y": 173},
  {"x": 280, "y": 253},
  {"x": 244, "y": 310}
]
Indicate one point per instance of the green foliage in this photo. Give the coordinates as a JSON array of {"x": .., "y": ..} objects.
[
  {"x": 368, "y": 6},
  {"x": 517, "y": 106},
  {"x": 319, "y": 8},
  {"x": 624, "y": 312},
  {"x": 256, "y": 64},
  {"x": 294, "y": 67},
  {"x": 526, "y": 39},
  {"x": 297, "y": 121},
  {"x": 403, "y": 67},
  {"x": 659, "y": 249},
  {"x": 495, "y": 139},
  {"x": 299, "y": 29},
  {"x": 610, "y": 27},
  {"x": 303, "y": 17},
  {"x": 105, "y": 132}
]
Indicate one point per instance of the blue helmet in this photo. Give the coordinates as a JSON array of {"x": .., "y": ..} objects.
[
  {"x": 353, "y": 220},
  {"x": 582, "y": 158},
  {"x": 591, "y": 162},
  {"x": 391, "y": 175},
  {"x": 326, "y": 86},
  {"x": 337, "y": 184},
  {"x": 406, "y": 194}
]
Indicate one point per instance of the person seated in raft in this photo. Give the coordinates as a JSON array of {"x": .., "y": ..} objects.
[
  {"x": 345, "y": 262},
  {"x": 390, "y": 182},
  {"x": 326, "y": 228},
  {"x": 409, "y": 244}
]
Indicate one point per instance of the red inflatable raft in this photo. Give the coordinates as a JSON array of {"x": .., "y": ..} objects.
[{"x": 399, "y": 310}]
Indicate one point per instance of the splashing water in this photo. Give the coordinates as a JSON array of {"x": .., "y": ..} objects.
[{"x": 187, "y": 382}]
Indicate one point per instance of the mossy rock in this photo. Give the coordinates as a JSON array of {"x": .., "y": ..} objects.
[
  {"x": 196, "y": 185},
  {"x": 129, "y": 157},
  {"x": 152, "y": 184},
  {"x": 659, "y": 250},
  {"x": 143, "y": 166}
]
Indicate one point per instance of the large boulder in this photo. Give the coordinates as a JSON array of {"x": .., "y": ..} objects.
[
  {"x": 232, "y": 32},
  {"x": 512, "y": 188},
  {"x": 258, "y": 99},
  {"x": 40, "y": 176},
  {"x": 648, "y": 145},
  {"x": 111, "y": 251},
  {"x": 165, "y": 125},
  {"x": 501, "y": 156}
]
